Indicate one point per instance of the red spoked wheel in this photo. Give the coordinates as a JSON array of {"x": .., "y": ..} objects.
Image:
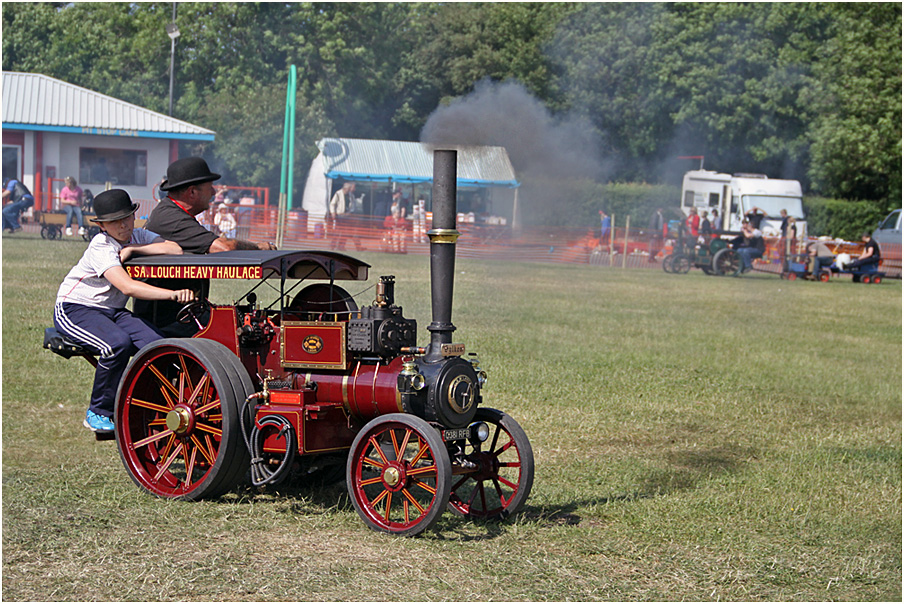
[
  {"x": 505, "y": 471},
  {"x": 877, "y": 280},
  {"x": 177, "y": 419},
  {"x": 399, "y": 474},
  {"x": 865, "y": 279},
  {"x": 825, "y": 276}
]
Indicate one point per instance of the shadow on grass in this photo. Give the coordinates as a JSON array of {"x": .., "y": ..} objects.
[{"x": 685, "y": 470}]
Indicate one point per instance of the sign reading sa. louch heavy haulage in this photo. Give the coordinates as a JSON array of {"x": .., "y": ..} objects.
[{"x": 195, "y": 272}]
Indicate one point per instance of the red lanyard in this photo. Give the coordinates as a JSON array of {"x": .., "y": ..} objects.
[{"x": 179, "y": 204}]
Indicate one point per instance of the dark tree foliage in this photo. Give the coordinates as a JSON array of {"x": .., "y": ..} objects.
[{"x": 802, "y": 90}]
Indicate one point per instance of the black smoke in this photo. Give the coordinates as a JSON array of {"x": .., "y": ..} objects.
[{"x": 505, "y": 114}]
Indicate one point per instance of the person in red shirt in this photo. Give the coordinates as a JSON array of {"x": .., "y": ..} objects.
[{"x": 693, "y": 223}]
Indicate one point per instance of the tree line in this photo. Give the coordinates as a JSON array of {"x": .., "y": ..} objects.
[{"x": 809, "y": 91}]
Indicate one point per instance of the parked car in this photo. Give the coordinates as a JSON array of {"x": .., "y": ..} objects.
[{"x": 889, "y": 230}]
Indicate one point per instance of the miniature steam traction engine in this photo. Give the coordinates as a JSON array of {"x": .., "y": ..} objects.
[{"x": 312, "y": 383}]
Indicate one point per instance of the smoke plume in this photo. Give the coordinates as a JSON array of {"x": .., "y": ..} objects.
[{"x": 539, "y": 144}]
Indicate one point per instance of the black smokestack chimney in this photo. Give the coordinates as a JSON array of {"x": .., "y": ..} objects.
[{"x": 443, "y": 236}]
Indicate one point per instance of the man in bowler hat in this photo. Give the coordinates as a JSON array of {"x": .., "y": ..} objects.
[{"x": 189, "y": 190}]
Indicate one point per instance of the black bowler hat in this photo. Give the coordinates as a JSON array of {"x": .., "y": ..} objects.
[
  {"x": 187, "y": 171},
  {"x": 114, "y": 204}
]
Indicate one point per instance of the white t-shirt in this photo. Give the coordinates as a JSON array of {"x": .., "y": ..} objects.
[{"x": 85, "y": 284}]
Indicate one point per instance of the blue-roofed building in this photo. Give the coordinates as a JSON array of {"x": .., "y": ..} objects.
[
  {"x": 487, "y": 187},
  {"x": 53, "y": 129}
]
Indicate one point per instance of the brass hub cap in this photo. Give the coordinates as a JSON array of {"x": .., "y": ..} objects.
[
  {"x": 391, "y": 476},
  {"x": 178, "y": 420}
]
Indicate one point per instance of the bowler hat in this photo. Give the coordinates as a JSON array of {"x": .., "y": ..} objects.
[
  {"x": 187, "y": 171},
  {"x": 114, "y": 204}
]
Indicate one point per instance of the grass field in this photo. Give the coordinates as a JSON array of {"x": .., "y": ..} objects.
[{"x": 696, "y": 438}]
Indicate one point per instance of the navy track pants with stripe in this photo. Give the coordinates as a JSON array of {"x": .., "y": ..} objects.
[{"x": 114, "y": 334}]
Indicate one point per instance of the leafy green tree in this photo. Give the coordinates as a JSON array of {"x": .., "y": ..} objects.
[
  {"x": 465, "y": 43},
  {"x": 856, "y": 132}
]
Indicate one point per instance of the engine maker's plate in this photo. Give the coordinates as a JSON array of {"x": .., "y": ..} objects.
[{"x": 313, "y": 345}]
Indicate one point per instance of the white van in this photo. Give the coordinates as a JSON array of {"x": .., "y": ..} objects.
[{"x": 735, "y": 195}]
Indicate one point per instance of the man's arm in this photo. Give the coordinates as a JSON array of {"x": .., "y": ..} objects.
[
  {"x": 159, "y": 247},
  {"x": 222, "y": 244}
]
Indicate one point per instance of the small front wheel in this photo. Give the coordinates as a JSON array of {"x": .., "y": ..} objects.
[
  {"x": 667, "y": 263},
  {"x": 399, "y": 474},
  {"x": 505, "y": 471},
  {"x": 681, "y": 264}
]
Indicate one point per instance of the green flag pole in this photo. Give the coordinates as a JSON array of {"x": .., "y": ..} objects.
[{"x": 285, "y": 176}]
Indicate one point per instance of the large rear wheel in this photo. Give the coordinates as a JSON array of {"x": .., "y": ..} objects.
[
  {"x": 505, "y": 471},
  {"x": 177, "y": 419},
  {"x": 399, "y": 474}
]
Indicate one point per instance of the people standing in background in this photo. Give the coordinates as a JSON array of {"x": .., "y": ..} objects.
[
  {"x": 657, "y": 223},
  {"x": 714, "y": 221},
  {"x": 706, "y": 228},
  {"x": 224, "y": 221},
  {"x": 755, "y": 215},
  {"x": 71, "y": 200},
  {"x": 420, "y": 221},
  {"x": 341, "y": 205},
  {"x": 605, "y": 227},
  {"x": 693, "y": 223}
]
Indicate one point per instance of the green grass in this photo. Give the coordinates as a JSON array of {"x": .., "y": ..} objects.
[{"x": 696, "y": 438}]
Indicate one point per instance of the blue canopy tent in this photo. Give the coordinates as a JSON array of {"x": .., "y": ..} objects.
[{"x": 380, "y": 161}]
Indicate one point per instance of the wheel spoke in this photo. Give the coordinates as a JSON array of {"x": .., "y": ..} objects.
[
  {"x": 185, "y": 372},
  {"x": 199, "y": 446},
  {"x": 150, "y": 405},
  {"x": 499, "y": 492},
  {"x": 164, "y": 383},
  {"x": 373, "y": 462},
  {"x": 151, "y": 439},
  {"x": 169, "y": 445},
  {"x": 202, "y": 385},
  {"x": 425, "y": 448},
  {"x": 370, "y": 481},
  {"x": 190, "y": 467},
  {"x": 414, "y": 502},
  {"x": 388, "y": 505},
  {"x": 169, "y": 461},
  {"x": 373, "y": 443},
  {"x": 210, "y": 429},
  {"x": 379, "y": 498},
  {"x": 431, "y": 469},
  {"x": 424, "y": 486},
  {"x": 205, "y": 408}
]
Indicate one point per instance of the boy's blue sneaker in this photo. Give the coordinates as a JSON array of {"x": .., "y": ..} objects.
[{"x": 98, "y": 423}]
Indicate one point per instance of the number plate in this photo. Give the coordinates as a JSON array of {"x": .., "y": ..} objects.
[{"x": 456, "y": 434}]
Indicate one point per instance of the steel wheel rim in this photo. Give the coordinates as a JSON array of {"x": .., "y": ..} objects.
[
  {"x": 505, "y": 471},
  {"x": 171, "y": 437},
  {"x": 399, "y": 481}
]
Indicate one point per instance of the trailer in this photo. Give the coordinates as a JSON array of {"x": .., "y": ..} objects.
[{"x": 735, "y": 195}]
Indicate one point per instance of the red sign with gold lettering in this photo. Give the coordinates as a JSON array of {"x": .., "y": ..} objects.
[{"x": 195, "y": 272}]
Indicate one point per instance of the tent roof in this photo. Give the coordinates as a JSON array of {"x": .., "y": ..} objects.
[
  {"x": 32, "y": 101},
  {"x": 407, "y": 162}
]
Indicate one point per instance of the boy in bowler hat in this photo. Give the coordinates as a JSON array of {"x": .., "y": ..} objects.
[{"x": 90, "y": 304}]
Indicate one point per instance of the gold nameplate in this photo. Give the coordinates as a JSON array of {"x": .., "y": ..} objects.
[{"x": 452, "y": 350}]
